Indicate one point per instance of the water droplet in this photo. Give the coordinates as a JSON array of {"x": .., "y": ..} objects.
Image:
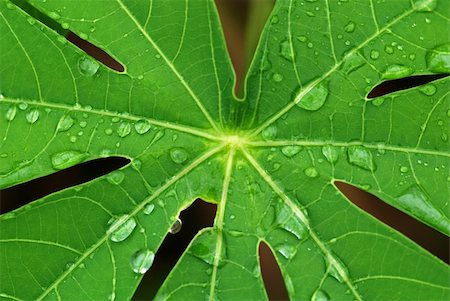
[
  {"x": 178, "y": 155},
  {"x": 404, "y": 169},
  {"x": 204, "y": 247},
  {"x": 311, "y": 172},
  {"x": 32, "y": 116},
  {"x": 320, "y": 295},
  {"x": 149, "y": 208},
  {"x": 350, "y": 27},
  {"x": 438, "y": 59},
  {"x": 352, "y": 63},
  {"x": 302, "y": 39},
  {"x": 287, "y": 51},
  {"x": 388, "y": 49},
  {"x": 417, "y": 202},
  {"x": 360, "y": 156},
  {"x": 429, "y": 89},
  {"x": 289, "y": 222},
  {"x": 337, "y": 269},
  {"x": 54, "y": 15},
  {"x": 397, "y": 71},
  {"x": 270, "y": 132},
  {"x": 142, "y": 260},
  {"x": 424, "y": 5},
  {"x": 378, "y": 101},
  {"x": 444, "y": 137},
  {"x": 124, "y": 129},
  {"x": 286, "y": 250},
  {"x": 121, "y": 228},
  {"x": 87, "y": 66},
  {"x": 291, "y": 150},
  {"x": 11, "y": 113},
  {"x": 108, "y": 131},
  {"x": 176, "y": 227},
  {"x": 374, "y": 54},
  {"x": 66, "y": 159},
  {"x": 331, "y": 153},
  {"x": 314, "y": 99},
  {"x": 116, "y": 177},
  {"x": 274, "y": 19},
  {"x": 277, "y": 77},
  {"x": 142, "y": 127},
  {"x": 65, "y": 123}
]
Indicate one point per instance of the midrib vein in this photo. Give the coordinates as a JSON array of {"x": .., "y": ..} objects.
[
  {"x": 219, "y": 222},
  {"x": 170, "y": 65},
  {"x": 313, "y": 84},
  {"x": 131, "y": 117},
  {"x": 302, "y": 217},
  {"x": 138, "y": 208}
]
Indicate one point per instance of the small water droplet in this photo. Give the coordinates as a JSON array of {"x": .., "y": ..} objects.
[
  {"x": 388, "y": 49},
  {"x": 404, "y": 169},
  {"x": 176, "y": 227},
  {"x": 424, "y": 5},
  {"x": 270, "y": 132},
  {"x": 374, "y": 54},
  {"x": 124, "y": 129},
  {"x": 32, "y": 116},
  {"x": 54, "y": 15},
  {"x": 320, "y": 295},
  {"x": 11, "y": 113},
  {"x": 108, "y": 131},
  {"x": 66, "y": 159},
  {"x": 378, "y": 101},
  {"x": 149, "y": 208},
  {"x": 277, "y": 77},
  {"x": 438, "y": 59},
  {"x": 116, "y": 177},
  {"x": 142, "y": 260},
  {"x": 204, "y": 247},
  {"x": 142, "y": 127},
  {"x": 178, "y": 155},
  {"x": 311, "y": 172},
  {"x": 286, "y": 50},
  {"x": 87, "y": 66},
  {"x": 65, "y": 123},
  {"x": 83, "y": 124},
  {"x": 361, "y": 157},
  {"x": 429, "y": 89},
  {"x": 350, "y": 27},
  {"x": 314, "y": 99},
  {"x": 291, "y": 150},
  {"x": 121, "y": 228},
  {"x": 274, "y": 19},
  {"x": 302, "y": 39},
  {"x": 331, "y": 153},
  {"x": 397, "y": 71}
]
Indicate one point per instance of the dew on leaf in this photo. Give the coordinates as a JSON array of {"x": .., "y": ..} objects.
[
  {"x": 116, "y": 177},
  {"x": 291, "y": 150},
  {"x": 87, "y": 66},
  {"x": 290, "y": 223},
  {"x": 378, "y": 101},
  {"x": 124, "y": 129},
  {"x": 337, "y": 269},
  {"x": 388, "y": 49},
  {"x": 311, "y": 172},
  {"x": 374, "y": 54},
  {"x": 121, "y": 228},
  {"x": 54, "y": 15},
  {"x": 270, "y": 132},
  {"x": 404, "y": 169},
  {"x": 350, "y": 27},
  {"x": 142, "y": 127},
  {"x": 286, "y": 50},
  {"x": 11, "y": 113},
  {"x": 277, "y": 77},
  {"x": 438, "y": 59},
  {"x": 352, "y": 63},
  {"x": 176, "y": 226},
  {"x": 428, "y": 89},
  {"x": 397, "y": 71},
  {"x": 302, "y": 38},
  {"x": 32, "y": 116},
  {"x": 149, "y": 208},
  {"x": 314, "y": 99},
  {"x": 331, "y": 153},
  {"x": 286, "y": 250},
  {"x": 142, "y": 260},
  {"x": 178, "y": 155},
  {"x": 66, "y": 159},
  {"x": 108, "y": 131},
  {"x": 361, "y": 157},
  {"x": 320, "y": 295},
  {"x": 65, "y": 123},
  {"x": 424, "y": 5}
]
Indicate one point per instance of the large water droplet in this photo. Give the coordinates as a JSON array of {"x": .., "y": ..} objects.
[
  {"x": 350, "y": 27},
  {"x": 397, "y": 71},
  {"x": 178, "y": 155},
  {"x": 289, "y": 222},
  {"x": 286, "y": 250},
  {"x": 417, "y": 202},
  {"x": 66, "y": 159},
  {"x": 121, "y": 228},
  {"x": 374, "y": 54},
  {"x": 149, "y": 208},
  {"x": 116, "y": 177},
  {"x": 315, "y": 98},
  {"x": 353, "y": 63},
  {"x": 176, "y": 227},
  {"x": 65, "y": 123},
  {"x": 124, "y": 129},
  {"x": 142, "y": 127},
  {"x": 429, "y": 89},
  {"x": 291, "y": 150},
  {"x": 361, "y": 156},
  {"x": 337, "y": 268},
  {"x": 311, "y": 172},
  {"x": 87, "y": 66},
  {"x": 331, "y": 153},
  {"x": 438, "y": 59},
  {"x": 142, "y": 260},
  {"x": 320, "y": 295},
  {"x": 11, "y": 113},
  {"x": 287, "y": 51},
  {"x": 425, "y": 5},
  {"x": 270, "y": 132},
  {"x": 32, "y": 116}
]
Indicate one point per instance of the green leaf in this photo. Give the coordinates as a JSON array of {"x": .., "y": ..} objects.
[{"x": 269, "y": 160}]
